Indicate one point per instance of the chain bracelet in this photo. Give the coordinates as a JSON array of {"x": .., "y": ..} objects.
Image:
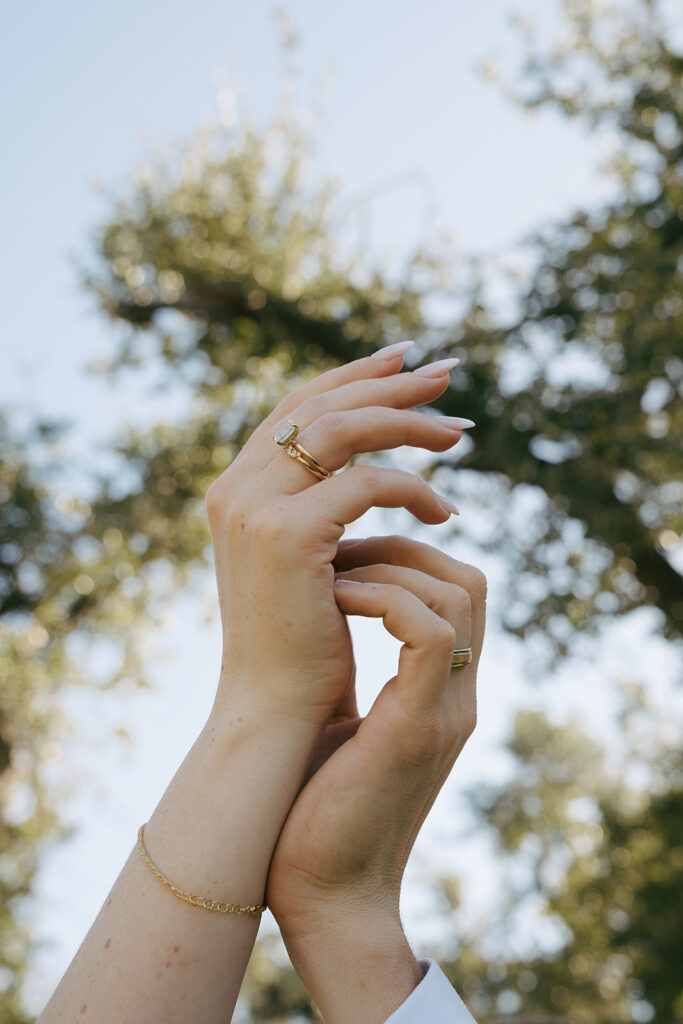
[{"x": 188, "y": 897}]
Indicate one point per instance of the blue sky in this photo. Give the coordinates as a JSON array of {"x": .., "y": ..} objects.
[
  {"x": 90, "y": 90},
  {"x": 96, "y": 88}
]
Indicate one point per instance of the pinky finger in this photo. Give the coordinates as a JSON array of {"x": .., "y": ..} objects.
[{"x": 425, "y": 661}]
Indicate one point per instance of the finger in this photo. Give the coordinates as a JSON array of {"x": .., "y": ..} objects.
[
  {"x": 382, "y": 363},
  {"x": 424, "y": 663},
  {"x": 344, "y": 498},
  {"x": 448, "y": 600},
  {"x": 399, "y": 391},
  {"x": 398, "y": 550},
  {"x": 336, "y": 436}
]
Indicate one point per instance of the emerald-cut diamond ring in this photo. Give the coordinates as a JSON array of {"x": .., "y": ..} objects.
[{"x": 286, "y": 437}]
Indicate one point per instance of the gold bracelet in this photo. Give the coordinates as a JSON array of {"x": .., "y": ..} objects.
[{"x": 196, "y": 901}]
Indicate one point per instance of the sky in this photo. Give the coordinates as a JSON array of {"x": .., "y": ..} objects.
[{"x": 92, "y": 90}]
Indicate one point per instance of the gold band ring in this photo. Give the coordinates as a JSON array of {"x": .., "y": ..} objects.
[
  {"x": 461, "y": 657},
  {"x": 286, "y": 438}
]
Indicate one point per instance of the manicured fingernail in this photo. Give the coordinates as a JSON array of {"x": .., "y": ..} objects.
[
  {"x": 346, "y": 583},
  {"x": 389, "y": 351},
  {"x": 448, "y": 504},
  {"x": 455, "y": 421},
  {"x": 436, "y": 369}
]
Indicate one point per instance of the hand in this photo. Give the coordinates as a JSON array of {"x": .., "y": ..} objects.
[
  {"x": 335, "y": 877},
  {"x": 275, "y": 529}
]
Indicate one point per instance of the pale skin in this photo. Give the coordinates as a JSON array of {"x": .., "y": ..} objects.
[{"x": 286, "y": 796}]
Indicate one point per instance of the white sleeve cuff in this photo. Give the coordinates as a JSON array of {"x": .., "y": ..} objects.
[{"x": 434, "y": 1001}]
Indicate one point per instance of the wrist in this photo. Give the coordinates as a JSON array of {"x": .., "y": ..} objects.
[
  {"x": 234, "y": 789},
  {"x": 246, "y": 699},
  {"x": 356, "y": 967}
]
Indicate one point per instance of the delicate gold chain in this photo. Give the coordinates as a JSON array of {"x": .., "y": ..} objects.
[{"x": 196, "y": 901}]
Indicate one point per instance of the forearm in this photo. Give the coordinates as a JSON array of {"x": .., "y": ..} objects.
[
  {"x": 151, "y": 957},
  {"x": 358, "y": 971}
]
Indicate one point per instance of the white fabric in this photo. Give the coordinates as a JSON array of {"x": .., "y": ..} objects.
[{"x": 434, "y": 1001}]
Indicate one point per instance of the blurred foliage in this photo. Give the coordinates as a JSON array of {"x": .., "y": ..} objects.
[
  {"x": 65, "y": 576},
  {"x": 596, "y": 849},
  {"x": 225, "y": 271},
  {"x": 579, "y": 396},
  {"x": 272, "y": 989}
]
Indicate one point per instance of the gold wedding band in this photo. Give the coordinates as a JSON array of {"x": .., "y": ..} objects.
[
  {"x": 286, "y": 438},
  {"x": 461, "y": 657}
]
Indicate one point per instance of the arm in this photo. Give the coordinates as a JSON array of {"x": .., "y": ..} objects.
[
  {"x": 335, "y": 880},
  {"x": 287, "y": 664},
  {"x": 151, "y": 957}
]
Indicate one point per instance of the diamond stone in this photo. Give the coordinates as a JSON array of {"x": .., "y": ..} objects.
[{"x": 286, "y": 434}]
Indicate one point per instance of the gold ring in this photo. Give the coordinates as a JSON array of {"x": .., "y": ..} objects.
[
  {"x": 286, "y": 438},
  {"x": 461, "y": 657}
]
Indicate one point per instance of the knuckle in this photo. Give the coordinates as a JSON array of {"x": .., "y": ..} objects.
[
  {"x": 223, "y": 501},
  {"x": 215, "y": 499},
  {"x": 475, "y": 582},
  {"x": 211, "y": 499},
  {"x": 463, "y": 722},
  {"x": 307, "y": 411},
  {"x": 467, "y": 723},
  {"x": 470, "y": 722},
  {"x": 460, "y": 601},
  {"x": 443, "y": 634},
  {"x": 335, "y": 422},
  {"x": 395, "y": 546}
]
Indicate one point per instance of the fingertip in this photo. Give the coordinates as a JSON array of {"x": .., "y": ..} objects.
[
  {"x": 392, "y": 352},
  {"x": 449, "y": 505}
]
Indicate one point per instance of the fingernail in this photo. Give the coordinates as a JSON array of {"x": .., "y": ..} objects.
[
  {"x": 455, "y": 421},
  {"x": 436, "y": 369},
  {"x": 346, "y": 583},
  {"x": 392, "y": 350},
  {"x": 448, "y": 504}
]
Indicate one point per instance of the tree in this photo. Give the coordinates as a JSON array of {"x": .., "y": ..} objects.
[
  {"x": 226, "y": 270},
  {"x": 594, "y": 423},
  {"x": 603, "y": 850},
  {"x": 228, "y": 267},
  {"x": 64, "y": 579}
]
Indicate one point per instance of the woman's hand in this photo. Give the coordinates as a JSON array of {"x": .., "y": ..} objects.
[
  {"x": 275, "y": 529},
  {"x": 335, "y": 878}
]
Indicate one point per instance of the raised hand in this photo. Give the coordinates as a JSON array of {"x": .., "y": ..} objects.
[
  {"x": 335, "y": 878},
  {"x": 275, "y": 529}
]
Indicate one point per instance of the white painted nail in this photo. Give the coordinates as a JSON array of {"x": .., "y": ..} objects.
[
  {"x": 346, "y": 582},
  {"x": 455, "y": 421},
  {"x": 389, "y": 351},
  {"x": 436, "y": 369},
  {"x": 448, "y": 504}
]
